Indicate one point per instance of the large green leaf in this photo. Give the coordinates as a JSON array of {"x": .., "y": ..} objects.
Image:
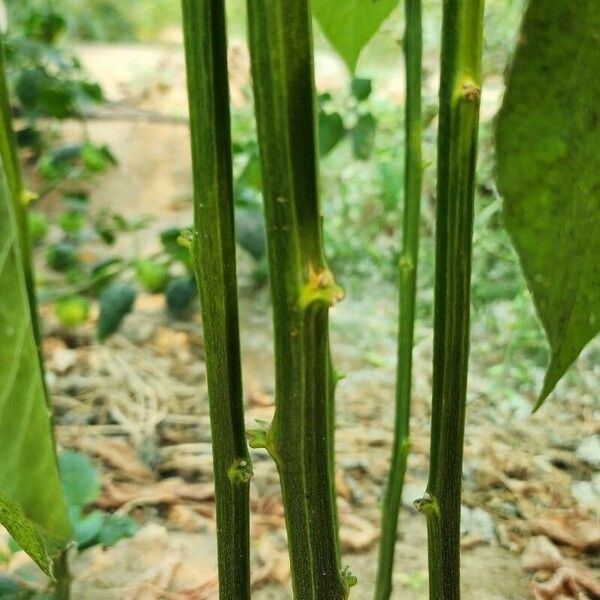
[
  {"x": 32, "y": 506},
  {"x": 548, "y": 141},
  {"x": 350, "y": 24}
]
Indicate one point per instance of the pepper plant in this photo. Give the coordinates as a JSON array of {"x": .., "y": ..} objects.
[{"x": 548, "y": 166}]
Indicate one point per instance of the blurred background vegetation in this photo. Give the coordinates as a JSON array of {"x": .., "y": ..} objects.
[{"x": 361, "y": 146}]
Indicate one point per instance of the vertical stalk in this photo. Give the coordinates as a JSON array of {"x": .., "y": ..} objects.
[
  {"x": 460, "y": 93},
  {"x": 302, "y": 290},
  {"x": 213, "y": 251},
  {"x": 413, "y": 51},
  {"x": 62, "y": 590}
]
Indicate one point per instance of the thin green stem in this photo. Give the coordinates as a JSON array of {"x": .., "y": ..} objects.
[
  {"x": 213, "y": 251},
  {"x": 460, "y": 93},
  {"x": 302, "y": 289},
  {"x": 413, "y": 51},
  {"x": 62, "y": 589}
]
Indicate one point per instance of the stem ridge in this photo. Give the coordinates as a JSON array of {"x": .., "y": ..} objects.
[
  {"x": 213, "y": 255},
  {"x": 302, "y": 290},
  {"x": 460, "y": 93}
]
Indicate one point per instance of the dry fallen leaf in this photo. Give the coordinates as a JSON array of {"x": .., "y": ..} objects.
[
  {"x": 569, "y": 579},
  {"x": 119, "y": 455},
  {"x": 357, "y": 534},
  {"x": 569, "y": 527},
  {"x": 566, "y": 583}
]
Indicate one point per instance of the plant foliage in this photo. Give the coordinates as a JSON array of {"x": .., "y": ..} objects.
[
  {"x": 351, "y": 24},
  {"x": 32, "y": 507},
  {"x": 549, "y": 171}
]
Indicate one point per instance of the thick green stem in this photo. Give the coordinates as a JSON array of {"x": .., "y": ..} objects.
[
  {"x": 413, "y": 51},
  {"x": 302, "y": 289},
  {"x": 213, "y": 250},
  {"x": 460, "y": 93}
]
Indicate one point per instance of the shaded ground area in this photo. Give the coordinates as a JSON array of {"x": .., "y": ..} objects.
[{"x": 138, "y": 406}]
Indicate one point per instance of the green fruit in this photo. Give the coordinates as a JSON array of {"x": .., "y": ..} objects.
[
  {"x": 71, "y": 221},
  {"x": 116, "y": 302},
  {"x": 38, "y": 227},
  {"x": 152, "y": 276},
  {"x": 72, "y": 311},
  {"x": 181, "y": 293},
  {"x": 62, "y": 256}
]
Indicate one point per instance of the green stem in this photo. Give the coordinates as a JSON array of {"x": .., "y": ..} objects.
[
  {"x": 413, "y": 51},
  {"x": 460, "y": 93},
  {"x": 62, "y": 589},
  {"x": 333, "y": 379},
  {"x": 302, "y": 289},
  {"x": 213, "y": 250}
]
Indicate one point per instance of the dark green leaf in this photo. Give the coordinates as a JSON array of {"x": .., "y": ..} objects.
[
  {"x": 361, "y": 88},
  {"x": 363, "y": 136},
  {"x": 548, "y": 143},
  {"x": 29, "y": 87},
  {"x": 116, "y": 302},
  {"x": 349, "y": 25},
  {"x": 29, "y": 137},
  {"x": 56, "y": 100},
  {"x": 331, "y": 131}
]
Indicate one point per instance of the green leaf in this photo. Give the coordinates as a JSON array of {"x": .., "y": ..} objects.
[
  {"x": 331, "y": 131},
  {"x": 87, "y": 527},
  {"x": 97, "y": 158},
  {"x": 115, "y": 528},
  {"x": 32, "y": 506},
  {"x": 363, "y": 136},
  {"x": 116, "y": 302},
  {"x": 349, "y": 25},
  {"x": 79, "y": 478},
  {"x": 548, "y": 142},
  {"x": 361, "y": 88}
]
